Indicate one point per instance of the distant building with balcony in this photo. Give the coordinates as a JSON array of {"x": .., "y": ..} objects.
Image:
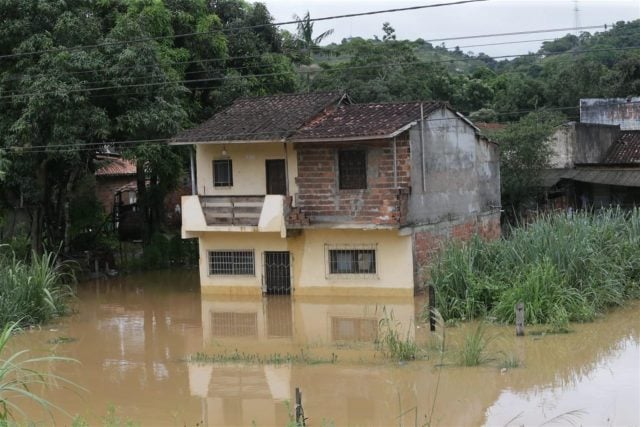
[{"x": 314, "y": 195}]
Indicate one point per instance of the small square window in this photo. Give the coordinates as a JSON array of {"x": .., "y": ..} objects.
[
  {"x": 352, "y": 261},
  {"x": 222, "y": 173},
  {"x": 352, "y": 168},
  {"x": 231, "y": 263}
]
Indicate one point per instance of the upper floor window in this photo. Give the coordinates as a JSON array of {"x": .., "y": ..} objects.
[
  {"x": 352, "y": 169},
  {"x": 222, "y": 173}
]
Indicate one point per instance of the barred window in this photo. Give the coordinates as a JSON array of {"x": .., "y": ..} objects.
[
  {"x": 352, "y": 167},
  {"x": 352, "y": 261},
  {"x": 232, "y": 263},
  {"x": 222, "y": 173}
]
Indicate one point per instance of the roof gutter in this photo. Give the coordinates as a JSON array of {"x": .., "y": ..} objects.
[{"x": 228, "y": 142}]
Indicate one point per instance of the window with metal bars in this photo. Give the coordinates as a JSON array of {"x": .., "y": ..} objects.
[
  {"x": 232, "y": 263},
  {"x": 352, "y": 261},
  {"x": 222, "y": 173},
  {"x": 352, "y": 169}
]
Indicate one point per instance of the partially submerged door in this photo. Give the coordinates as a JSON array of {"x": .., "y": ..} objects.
[
  {"x": 276, "y": 177},
  {"x": 277, "y": 273}
]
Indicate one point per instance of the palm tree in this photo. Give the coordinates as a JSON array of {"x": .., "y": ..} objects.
[{"x": 304, "y": 36}]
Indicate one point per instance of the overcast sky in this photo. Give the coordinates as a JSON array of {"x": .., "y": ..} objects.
[{"x": 492, "y": 16}]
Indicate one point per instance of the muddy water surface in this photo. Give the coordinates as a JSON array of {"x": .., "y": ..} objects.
[{"x": 132, "y": 335}]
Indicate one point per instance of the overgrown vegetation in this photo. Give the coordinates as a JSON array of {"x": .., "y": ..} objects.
[
  {"x": 562, "y": 267},
  {"x": 33, "y": 292},
  {"x": 391, "y": 343},
  {"x": 473, "y": 351}
]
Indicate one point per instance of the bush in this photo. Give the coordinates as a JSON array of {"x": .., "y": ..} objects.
[
  {"x": 563, "y": 268},
  {"x": 35, "y": 292}
]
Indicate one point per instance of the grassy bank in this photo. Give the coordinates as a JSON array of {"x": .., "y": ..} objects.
[
  {"x": 33, "y": 292},
  {"x": 564, "y": 268}
]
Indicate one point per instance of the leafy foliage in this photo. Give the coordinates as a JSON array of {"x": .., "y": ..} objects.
[{"x": 563, "y": 268}]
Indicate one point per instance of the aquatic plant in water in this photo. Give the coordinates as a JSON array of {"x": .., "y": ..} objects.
[{"x": 18, "y": 377}]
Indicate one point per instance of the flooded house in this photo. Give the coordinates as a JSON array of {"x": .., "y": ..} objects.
[
  {"x": 595, "y": 163},
  {"x": 314, "y": 194}
]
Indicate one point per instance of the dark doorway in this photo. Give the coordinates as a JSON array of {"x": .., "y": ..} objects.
[
  {"x": 277, "y": 273},
  {"x": 276, "y": 177}
]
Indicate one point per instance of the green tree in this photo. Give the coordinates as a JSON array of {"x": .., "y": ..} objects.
[{"x": 524, "y": 153}]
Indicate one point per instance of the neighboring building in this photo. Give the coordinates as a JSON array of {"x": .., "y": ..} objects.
[
  {"x": 113, "y": 174},
  {"x": 595, "y": 165},
  {"x": 312, "y": 194},
  {"x": 623, "y": 112}
]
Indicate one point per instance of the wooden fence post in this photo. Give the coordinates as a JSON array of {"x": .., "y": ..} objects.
[
  {"x": 432, "y": 303},
  {"x": 299, "y": 411},
  {"x": 520, "y": 319}
]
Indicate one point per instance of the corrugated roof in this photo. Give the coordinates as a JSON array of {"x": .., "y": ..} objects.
[
  {"x": 626, "y": 149},
  {"x": 365, "y": 120},
  {"x": 606, "y": 176},
  {"x": 259, "y": 119},
  {"x": 115, "y": 167}
]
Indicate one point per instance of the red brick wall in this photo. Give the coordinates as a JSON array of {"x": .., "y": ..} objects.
[
  {"x": 429, "y": 240},
  {"x": 106, "y": 187},
  {"x": 380, "y": 203}
]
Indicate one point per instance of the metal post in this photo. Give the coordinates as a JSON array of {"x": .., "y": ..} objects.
[
  {"x": 395, "y": 164},
  {"x": 432, "y": 304},
  {"x": 193, "y": 173},
  {"x": 520, "y": 319}
]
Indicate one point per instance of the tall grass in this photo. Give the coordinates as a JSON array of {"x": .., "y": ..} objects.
[
  {"x": 391, "y": 342},
  {"x": 33, "y": 292},
  {"x": 564, "y": 268}
]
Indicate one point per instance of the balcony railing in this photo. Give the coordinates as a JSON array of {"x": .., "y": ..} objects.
[{"x": 232, "y": 210}]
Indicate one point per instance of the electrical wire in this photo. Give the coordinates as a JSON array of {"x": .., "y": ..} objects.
[{"x": 227, "y": 30}]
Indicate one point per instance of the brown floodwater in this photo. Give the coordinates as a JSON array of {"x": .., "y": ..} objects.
[{"x": 132, "y": 335}]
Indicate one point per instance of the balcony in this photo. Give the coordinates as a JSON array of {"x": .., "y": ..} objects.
[{"x": 232, "y": 214}]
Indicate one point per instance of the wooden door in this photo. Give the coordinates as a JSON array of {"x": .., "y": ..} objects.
[{"x": 276, "y": 177}]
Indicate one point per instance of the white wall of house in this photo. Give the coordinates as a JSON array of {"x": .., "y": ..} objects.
[{"x": 248, "y": 163}]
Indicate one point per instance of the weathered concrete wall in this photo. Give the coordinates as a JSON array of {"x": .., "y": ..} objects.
[
  {"x": 594, "y": 141},
  {"x": 462, "y": 171},
  {"x": 321, "y": 199},
  {"x": 611, "y": 111},
  {"x": 563, "y": 146}
]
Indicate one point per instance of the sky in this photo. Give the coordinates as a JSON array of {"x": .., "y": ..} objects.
[{"x": 490, "y": 17}]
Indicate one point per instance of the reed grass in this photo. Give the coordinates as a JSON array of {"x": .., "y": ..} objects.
[
  {"x": 473, "y": 351},
  {"x": 255, "y": 358},
  {"x": 391, "y": 342},
  {"x": 33, "y": 292},
  {"x": 563, "y": 267}
]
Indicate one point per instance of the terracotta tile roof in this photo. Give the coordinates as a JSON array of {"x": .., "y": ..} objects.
[
  {"x": 115, "y": 167},
  {"x": 263, "y": 118},
  {"x": 365, "y": 120},
  {"x": 626, "y": 149}
]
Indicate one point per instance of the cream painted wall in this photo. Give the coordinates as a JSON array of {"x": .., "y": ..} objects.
[
  {"x": 248, "y": 163},
  {"x": 394, "y": 262}
]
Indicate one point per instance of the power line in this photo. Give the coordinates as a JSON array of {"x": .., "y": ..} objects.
[
  {"x": 518, "y": 33},
  {"x": 93, "y": 146},
  {"x": 288, "y": 52},
  {"x": 342, "y": 69},
  {"x": 227, "y": 30}
]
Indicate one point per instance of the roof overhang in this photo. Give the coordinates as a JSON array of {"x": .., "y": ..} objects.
[
  {"x": 624, "y": 177},
  {"x": 228, "y": 142},
  {"x": 359, "y": 137}
]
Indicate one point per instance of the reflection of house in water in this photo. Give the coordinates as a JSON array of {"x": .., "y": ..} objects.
[
  {"x": 241, "y": 394},
  {"x": 301, "y": 321}
]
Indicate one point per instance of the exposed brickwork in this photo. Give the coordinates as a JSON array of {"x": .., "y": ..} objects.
[
  {"x": 428, "y": 241},
  {"x": 320, "y": 199},
  {"x": 106, "y": 187}
]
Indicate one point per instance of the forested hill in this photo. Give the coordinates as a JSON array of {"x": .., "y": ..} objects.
[{"x": 604, "y": 64}]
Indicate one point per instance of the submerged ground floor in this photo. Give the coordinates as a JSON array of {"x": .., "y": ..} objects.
[{"x": 330, "y": 261}]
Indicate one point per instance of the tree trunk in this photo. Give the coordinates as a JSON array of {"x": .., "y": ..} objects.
[
  {"x": 142, "y": 200},
  {"x": 66, "y": 216}
]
